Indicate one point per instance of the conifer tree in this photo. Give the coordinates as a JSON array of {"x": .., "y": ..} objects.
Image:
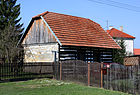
[
  {"x": 9, "y": 15},
  {"x": 119, "y": 54}
]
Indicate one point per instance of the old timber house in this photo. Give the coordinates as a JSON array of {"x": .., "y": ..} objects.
[{"x": 56, "y": 37}]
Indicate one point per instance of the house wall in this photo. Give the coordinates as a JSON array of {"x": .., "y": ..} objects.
[
  {"x": 87, "y": 54},
  {"x": 40, "y": 44},
  {"x": 41, "y": 52},
  {"x": 38, "y": 33},
  {"x": 129, "y": 43}
]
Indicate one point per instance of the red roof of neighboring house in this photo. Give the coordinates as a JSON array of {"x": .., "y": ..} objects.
[
  {"x": 119, "y": 34},
  {"x": 136, "y": 51},
  {"x": 78, "y": 31}
]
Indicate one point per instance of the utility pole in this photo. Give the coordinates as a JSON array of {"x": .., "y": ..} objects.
[{"x": 107, "y": 25}]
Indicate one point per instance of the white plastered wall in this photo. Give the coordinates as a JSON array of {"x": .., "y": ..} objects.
[
  {"x": 41, "y": 52},
  {"x": 129, "y": 43}
]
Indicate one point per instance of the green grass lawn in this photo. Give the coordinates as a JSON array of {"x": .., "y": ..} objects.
[{"x": 51, "y": 87}]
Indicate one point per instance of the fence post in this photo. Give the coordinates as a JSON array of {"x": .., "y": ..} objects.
[
  {"x": 101, "y": 75},
  {"x": 88, "y": 74},
  {"x": 107, "y": 77},
  {"x": 60, "y": 70},
  {"x": 54, "y": 72}
]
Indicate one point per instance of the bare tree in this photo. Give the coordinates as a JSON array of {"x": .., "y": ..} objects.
[{"x": 8, "y": 45}]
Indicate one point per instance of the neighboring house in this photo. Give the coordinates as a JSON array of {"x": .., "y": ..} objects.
[
  {"x": 56, "y": 37},
  {"x": 136, "y": 51},
  {"x": 117, "y": 35}
]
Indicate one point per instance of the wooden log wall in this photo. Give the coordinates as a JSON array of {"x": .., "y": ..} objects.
[
  {"x": 86, "y": 54},
  {"x": 106, "y": 55}
]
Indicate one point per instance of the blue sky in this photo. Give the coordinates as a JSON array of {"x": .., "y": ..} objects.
[{"x": 100, "y": 13}]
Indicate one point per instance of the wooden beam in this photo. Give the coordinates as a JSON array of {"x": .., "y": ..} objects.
[
  {"x": 88, "y": 74},
  {"x": 60, "y": 70}
]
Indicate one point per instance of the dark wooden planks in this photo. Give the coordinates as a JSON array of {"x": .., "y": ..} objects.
[{"x": 86, "y": 54}]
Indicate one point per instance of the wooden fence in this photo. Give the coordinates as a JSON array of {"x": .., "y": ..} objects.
[
  {"x": 123, "y": 78},
  {"x": 114, "y": 77},
  {"x": 79, "y": 71}
]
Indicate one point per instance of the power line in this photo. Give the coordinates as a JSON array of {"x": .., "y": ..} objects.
[
  {"x": 124, "y": 4},
  {"x": 118, "y": 5}
]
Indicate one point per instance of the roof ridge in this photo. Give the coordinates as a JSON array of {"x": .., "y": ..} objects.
[
  {"x": 69, "y": 15},
  {"x": 57, "y": 13},
  {"x": 41, "y": 14}
]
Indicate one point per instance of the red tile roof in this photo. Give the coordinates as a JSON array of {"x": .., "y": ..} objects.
[
  {"x": 119, "y": 34},
  {"x": 78, "y": 31},
  {"x": 136, "y": 51}
]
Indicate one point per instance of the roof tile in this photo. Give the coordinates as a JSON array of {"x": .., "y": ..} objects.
[
  {"x": 119, "y": 34},
  {"x": 78, "y": 31},
  {"x": 136, "y": 51}
]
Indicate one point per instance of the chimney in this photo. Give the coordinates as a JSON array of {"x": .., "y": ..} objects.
[
  {"x": 110, "y": 27},
  {"x": 121, "y": 28}
]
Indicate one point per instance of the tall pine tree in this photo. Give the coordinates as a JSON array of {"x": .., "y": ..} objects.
[
  {"x": 9, "y": 15},
  {"x": 10, "y": 28}
]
